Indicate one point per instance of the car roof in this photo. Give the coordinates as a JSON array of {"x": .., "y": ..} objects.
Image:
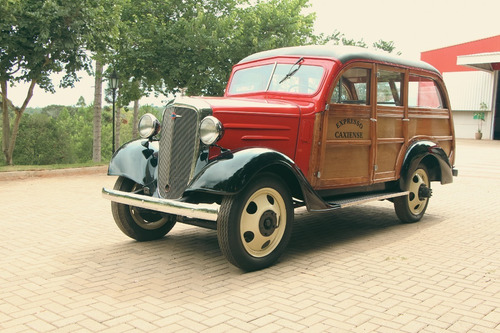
[{"x": 340, "y": 52}]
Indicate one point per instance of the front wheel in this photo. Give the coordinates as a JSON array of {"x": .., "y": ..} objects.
[
  {"x": 411, "y": 208},
  {"x": 254, "y": 226},
  {"x": 138, "y": 223}
]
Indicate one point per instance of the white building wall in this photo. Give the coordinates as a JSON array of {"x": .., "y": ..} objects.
[
  {"x": 466, "y": 126},
  {"x": 467, "y": 90}
]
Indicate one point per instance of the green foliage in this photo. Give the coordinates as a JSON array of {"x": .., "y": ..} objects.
[
  {"x": 479, "y": 116},
  {"x": 59, "y": 134},
  {"x": 353, "y": 42},
  {"x": 169, "y": 45},
  {"x": 338, "y": 38},
  {"x": 36, "y": 146},
  {"x": 40, "y": 37},
  {"x": 385, "y": 46}
]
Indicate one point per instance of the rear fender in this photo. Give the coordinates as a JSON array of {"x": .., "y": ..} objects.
[
  {"x": 433, "y": 156},
  {"x": 137, "y": 161}
]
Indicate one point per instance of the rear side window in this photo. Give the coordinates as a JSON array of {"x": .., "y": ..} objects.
[
  {"x": 353, "y": 87},
  {"x": 389, "y": 87},
  {"x": 423, "y": 92}
]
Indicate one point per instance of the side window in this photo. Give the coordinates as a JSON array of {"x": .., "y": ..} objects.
[
  {"x": 389, "y": 88},
  {"x": 353, "y": 87},
  {"x": 423, "y": 92}
]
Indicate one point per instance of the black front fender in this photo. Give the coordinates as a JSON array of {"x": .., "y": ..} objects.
[
  {"x": 136, "y": 161},
  {"x": 232, "y": 171}
]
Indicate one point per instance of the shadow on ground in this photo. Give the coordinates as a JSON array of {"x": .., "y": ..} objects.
[{"x": 358, "y": 228}]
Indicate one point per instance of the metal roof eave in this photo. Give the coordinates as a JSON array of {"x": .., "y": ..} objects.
[{"x": 483, "y": 61}]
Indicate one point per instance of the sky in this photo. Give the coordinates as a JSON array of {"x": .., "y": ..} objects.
[{"x": 413, "y": 26}]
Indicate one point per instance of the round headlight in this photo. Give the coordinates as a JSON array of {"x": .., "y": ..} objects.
[
  {"x": 148, "y": 126},
  {"x": 211, "y": 130}
]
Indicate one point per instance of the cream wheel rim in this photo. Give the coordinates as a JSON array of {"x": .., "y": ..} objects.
[
  {"x": 263, "y": 222},
  {"x": 417, "y": 204}
]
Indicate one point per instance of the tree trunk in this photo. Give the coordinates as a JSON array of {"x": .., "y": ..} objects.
[
  {"x": 96, "y": 144},
  {"x": 135, "y": 130},
  {"x": 9, "y": 138},
  {"x": 5, "y": 123}
]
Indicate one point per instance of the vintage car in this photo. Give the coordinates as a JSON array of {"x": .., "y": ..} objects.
[{"x": 315, "y": 126}]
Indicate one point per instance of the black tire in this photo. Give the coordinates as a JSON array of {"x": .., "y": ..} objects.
[
  {"x": 254, "y": 226},
  {"x": 138, "y": 223},
  {"x": 411, "y": 208}
]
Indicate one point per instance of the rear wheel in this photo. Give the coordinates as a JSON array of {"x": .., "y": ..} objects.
[
  {"x": 138, "y": 223},
  {"x": 411, "y": 208},
  {"x": 254, "y": 226}
]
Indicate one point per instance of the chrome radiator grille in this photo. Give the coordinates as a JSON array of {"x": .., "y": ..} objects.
[{"x": 179, "y": 148}]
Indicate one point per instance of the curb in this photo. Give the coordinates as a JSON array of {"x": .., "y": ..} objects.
[{"x": 19, "y": 175}]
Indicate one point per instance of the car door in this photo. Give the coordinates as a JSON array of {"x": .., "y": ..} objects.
[
  {"x": 389, "y": 139},
  {"x": 346, "y": 152}
]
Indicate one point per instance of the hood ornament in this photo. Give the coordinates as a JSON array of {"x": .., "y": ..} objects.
[{"x": 175, "y": 116}]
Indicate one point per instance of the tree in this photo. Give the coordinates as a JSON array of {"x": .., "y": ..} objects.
[
  {"x": 166, "y": 46},
  {"x": 385, "y": 46},
  {"x": 97, "y": 120},
  {"x": 81, "y": 102},
  {"x": 43, "y": 141},
  {"x": 337, "y": 38},
  {"x": 135, "y": 121},
  {"x": 353, "y": 42},
  {"x": 41, "y": 37},
  {"x": 103, "y": 50}
]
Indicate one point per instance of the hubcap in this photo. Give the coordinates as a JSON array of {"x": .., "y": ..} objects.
[
  {"x": 263, "y": 221},
  {"x": 419, "y": 192},
  {"x": 268, "y": 223}
]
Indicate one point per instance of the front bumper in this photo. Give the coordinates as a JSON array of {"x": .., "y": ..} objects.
[{"x": 190, "y": 210}]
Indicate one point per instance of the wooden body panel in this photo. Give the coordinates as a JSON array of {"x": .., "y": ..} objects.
[
  {"x": 347, "y": 148},
  {"x": 362, "y": 144}
]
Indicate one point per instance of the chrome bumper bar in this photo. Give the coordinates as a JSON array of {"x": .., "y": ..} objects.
[{"x": 196, "y": 211}]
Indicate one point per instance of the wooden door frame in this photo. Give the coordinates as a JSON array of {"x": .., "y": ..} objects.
[
  {"x": 321, "y": 141},
  {"x": 393, "y": 112}
]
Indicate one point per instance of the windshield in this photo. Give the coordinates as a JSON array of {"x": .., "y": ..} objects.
[{"x": 305, "y": 80}]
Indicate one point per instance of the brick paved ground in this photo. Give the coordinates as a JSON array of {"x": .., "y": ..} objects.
[{"x": 65, "y": 266}]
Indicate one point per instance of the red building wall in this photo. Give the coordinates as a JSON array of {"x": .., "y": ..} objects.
[{"x": 445, "y": 59}]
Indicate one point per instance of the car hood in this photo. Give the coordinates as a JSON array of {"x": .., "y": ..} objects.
[{"x": 235, "y": 104}]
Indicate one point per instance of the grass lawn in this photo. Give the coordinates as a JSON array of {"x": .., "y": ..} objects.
[{"x": 5, "y": 168}]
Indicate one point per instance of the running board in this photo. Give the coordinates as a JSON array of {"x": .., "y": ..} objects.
[{"x": 364, "y": 198}]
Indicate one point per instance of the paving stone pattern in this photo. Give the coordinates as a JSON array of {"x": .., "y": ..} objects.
[{"x": 66, "y": 267}]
